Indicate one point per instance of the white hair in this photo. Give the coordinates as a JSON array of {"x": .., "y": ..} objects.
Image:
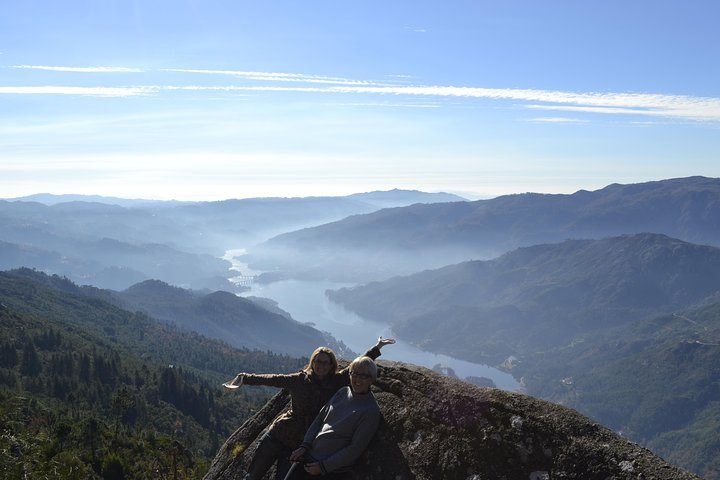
[{"x": 364, "y": 364}]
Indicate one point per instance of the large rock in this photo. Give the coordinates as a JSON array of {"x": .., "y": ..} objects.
[{"x": 436, "y": 427}]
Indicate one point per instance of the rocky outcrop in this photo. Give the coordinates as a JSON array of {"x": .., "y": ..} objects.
[{"x": 436, "y": 427}]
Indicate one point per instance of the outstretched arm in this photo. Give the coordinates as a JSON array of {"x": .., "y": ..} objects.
[
  {"x": 268, "y": 380},
  {"x": 384, "y": 341},
  {"x": 234, "y": 383},
  {"x": 374, "y": 351}
]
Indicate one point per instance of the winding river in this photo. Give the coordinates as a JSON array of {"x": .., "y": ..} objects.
[{"x": 306, "y": 302}]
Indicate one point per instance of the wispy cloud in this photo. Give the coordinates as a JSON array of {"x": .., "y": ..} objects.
[
  {"x": 80, "y": 69},
  {"x": 558, "y": 120},
  {"x": 675, "y": 106},
  {"x": 393, "y": 105},
  {"x": 84, "y": 91},
  {"x": 685, "y": 107},
  {"x": 279, "y": 76}
]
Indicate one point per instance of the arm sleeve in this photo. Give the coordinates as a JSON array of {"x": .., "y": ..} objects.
[
  {"x": 372, "y": 352},
  {"x": 273, "y": 380},
  {"x": 367, "y": 426}
]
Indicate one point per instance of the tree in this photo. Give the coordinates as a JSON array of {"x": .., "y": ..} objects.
[
  {"x": 30, "y": 363},
  {"x": 8, "y": 355}
]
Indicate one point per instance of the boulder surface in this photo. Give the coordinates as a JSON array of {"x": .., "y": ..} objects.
[{"x": 437, "y": 427}]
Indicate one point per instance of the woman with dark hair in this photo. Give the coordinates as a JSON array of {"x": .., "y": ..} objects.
[{"x": 310, "y": 389}]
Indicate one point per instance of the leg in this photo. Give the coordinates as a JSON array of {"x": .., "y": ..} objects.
[
  {"x": 283, "y": 465},
  {"x": 267, "y": 452}
]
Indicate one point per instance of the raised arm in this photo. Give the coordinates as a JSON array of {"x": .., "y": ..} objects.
[{"x": 374, "y": 351}]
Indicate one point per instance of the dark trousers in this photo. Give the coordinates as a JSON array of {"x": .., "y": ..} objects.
[
  {"x": 300, "y": 474},
  {"x": 268, "y": 451}
]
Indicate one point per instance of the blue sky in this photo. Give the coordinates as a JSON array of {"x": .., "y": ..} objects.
[{"x": 229, "y": 99}]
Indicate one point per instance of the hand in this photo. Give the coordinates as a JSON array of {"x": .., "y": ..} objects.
[
  {"x": 235, "y": 382},
  {"x": 384, "y": 341},
  {"x": 297, "y": 454},
  {"x": 313, "y": 468}
]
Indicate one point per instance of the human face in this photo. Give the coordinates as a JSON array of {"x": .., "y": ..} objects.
[
  {"x": 360, "y": 381},
  {"x": 321, "y": 365}
]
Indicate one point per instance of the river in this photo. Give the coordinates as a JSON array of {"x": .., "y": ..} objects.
[{"x": 306, "y": 302}]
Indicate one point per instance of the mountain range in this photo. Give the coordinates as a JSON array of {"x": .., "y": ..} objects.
[
  {"x": 110, "y": 243},
  {"x": 409, "y": 239}
]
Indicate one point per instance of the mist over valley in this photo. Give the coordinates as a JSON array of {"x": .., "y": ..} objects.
[{"x": 604, "y": 301}]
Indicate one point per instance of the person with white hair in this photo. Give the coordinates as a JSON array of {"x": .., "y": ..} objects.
[
  {"x": 344, "y": 427},
  {"x": 309, "y": 390}
]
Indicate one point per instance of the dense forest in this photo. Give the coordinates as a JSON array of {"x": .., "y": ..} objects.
[{"x": 88, "y": 390}]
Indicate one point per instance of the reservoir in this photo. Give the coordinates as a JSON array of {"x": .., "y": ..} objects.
[{"x": 306, "y": 302}]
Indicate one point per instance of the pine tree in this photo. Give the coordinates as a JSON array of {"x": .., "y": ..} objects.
[{"x": 30, "y": 363}]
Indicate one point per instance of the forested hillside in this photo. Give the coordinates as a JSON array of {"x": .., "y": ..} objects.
[
  {"x": 657, "y": 381},
  {"x": 540, "y": 297},
  {"x": 88, "y": 390},
  {"x": 610, "y": 327}
]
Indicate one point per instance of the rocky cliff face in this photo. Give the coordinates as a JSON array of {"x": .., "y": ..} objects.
[{"x": 437, "y": 427}]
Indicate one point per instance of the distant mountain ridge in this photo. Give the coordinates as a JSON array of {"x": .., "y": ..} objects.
[
  {"x": 380, "y": 198},
  {"x": 408, "y": 239},
  {"x": 540, "y": 296},
  {"x": 112, "y": 244},
  {"x": 54, "y": 199}
]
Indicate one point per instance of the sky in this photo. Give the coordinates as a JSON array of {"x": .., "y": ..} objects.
[{"x": 215, "y": 99}]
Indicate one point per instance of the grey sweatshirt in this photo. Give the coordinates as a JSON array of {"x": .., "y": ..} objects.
[{"x": 342, "y": 430}]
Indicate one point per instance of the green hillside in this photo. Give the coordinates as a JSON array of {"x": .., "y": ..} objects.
[
  {"x": 88, "y": 390},
  {"x": 540, "y": 297},
  {"x": 609, "y": 327},
  {"x": 656, "y": 381}
]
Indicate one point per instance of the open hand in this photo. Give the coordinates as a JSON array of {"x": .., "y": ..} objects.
[
  {"x": 384, "y": 341},
  {"x": 235, "y": 382}
]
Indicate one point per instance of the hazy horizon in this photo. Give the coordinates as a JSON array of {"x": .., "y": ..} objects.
[{"x": 239, "y": 99}]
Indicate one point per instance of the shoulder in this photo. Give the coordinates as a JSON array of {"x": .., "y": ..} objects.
[
  {"x": 340, "y": 395},
  {"x": 372, "y": 402}
]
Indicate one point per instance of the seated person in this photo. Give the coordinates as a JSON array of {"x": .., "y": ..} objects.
[{"x": 344, "y": 427}]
